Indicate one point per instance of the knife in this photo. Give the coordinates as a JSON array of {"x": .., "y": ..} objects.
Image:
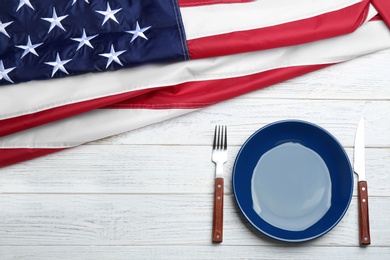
[{"x": 359, "y": 167}]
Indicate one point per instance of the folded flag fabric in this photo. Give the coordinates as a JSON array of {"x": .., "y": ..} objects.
[
  {"x": 383, "y": 8},
  {"x": 180, "y": 88},
  {"x": 53, "y": 39},
  {"x": 210, "y": 29}
]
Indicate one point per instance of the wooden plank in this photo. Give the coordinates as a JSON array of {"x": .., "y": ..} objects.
[
  {"x": 139, "y": 169},
  {"x": 146, "y": 220},
  {"x": 195, "y": 252}
]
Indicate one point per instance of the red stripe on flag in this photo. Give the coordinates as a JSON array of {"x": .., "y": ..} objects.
[
  {"x": 20, "y": 123},
  {"x": 187, "y": 3},
  {"x": 376, "y": 18},
  {"x": 383, "y": 8},
  {"x": 316, "y": 28},
  {"x": 11, "y": 156},
  {"x": 200, "y": 94}
]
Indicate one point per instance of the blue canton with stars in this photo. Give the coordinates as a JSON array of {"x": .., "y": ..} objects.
[{"x": 41, "y": 39}]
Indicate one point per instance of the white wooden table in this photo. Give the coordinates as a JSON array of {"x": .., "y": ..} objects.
[{"x": 148, "y": 194}]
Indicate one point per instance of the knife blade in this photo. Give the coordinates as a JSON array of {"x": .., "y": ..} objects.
[{"x": 359, "y": 168}]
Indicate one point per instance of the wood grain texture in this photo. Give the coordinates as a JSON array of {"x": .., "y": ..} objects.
[
  {"x": 364, "y": 219},
  {"x": 154, "y": 219},
  {"x": 217, "y": 235},
  {"x": 180, "y": 252},
  {"x": 148, "y": 193}
]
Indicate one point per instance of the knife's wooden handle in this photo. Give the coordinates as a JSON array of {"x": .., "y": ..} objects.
[
  {"x": 218, "y": 211},
  {"x": 364, "y": 221}
]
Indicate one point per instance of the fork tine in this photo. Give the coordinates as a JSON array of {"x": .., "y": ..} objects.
[
  {"x": 225, "y": 142},
  {"x": 215, "y": 138},
  {"x": 219, "y": 138}
]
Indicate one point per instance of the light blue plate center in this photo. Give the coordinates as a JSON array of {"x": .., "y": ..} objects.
[{"x": 291, "y": 187}]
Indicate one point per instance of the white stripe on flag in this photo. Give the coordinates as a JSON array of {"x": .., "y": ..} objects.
[{"x": 212, "y": 20}]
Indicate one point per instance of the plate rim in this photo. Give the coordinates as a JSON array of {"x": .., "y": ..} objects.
[{"x": 350, "y": 170}]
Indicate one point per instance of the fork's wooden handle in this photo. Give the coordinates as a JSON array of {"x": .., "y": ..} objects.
[
  {"x": 364, "y": 221},
  {"x": 218, "y": 211}
]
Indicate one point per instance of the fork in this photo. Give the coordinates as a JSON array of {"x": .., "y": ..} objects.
[{"x": 219, "y": 157}]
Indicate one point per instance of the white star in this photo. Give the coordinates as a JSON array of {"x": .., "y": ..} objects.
[
  {"x": 58, "y": 65},
  {"x": 74, "y": 1},
  {"x": 4, "y": 72},
  {"x": 55, "y": 21},
  {"x": 2, "y": 28},
  {"x": 29, "y": 48},
  {"x": 109, "y": 14},
  {"x": 24, "y": 2},
  {"x": 84, "y": 40},
  {"x": 138, "y": 32},
  {"x": 112, "y": 56}
]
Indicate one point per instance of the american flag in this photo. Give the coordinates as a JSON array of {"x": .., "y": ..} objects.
[{"x": 272, "y": 41}]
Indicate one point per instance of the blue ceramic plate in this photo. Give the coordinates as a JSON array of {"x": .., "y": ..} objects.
[{"x": 292, "y": 180}]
